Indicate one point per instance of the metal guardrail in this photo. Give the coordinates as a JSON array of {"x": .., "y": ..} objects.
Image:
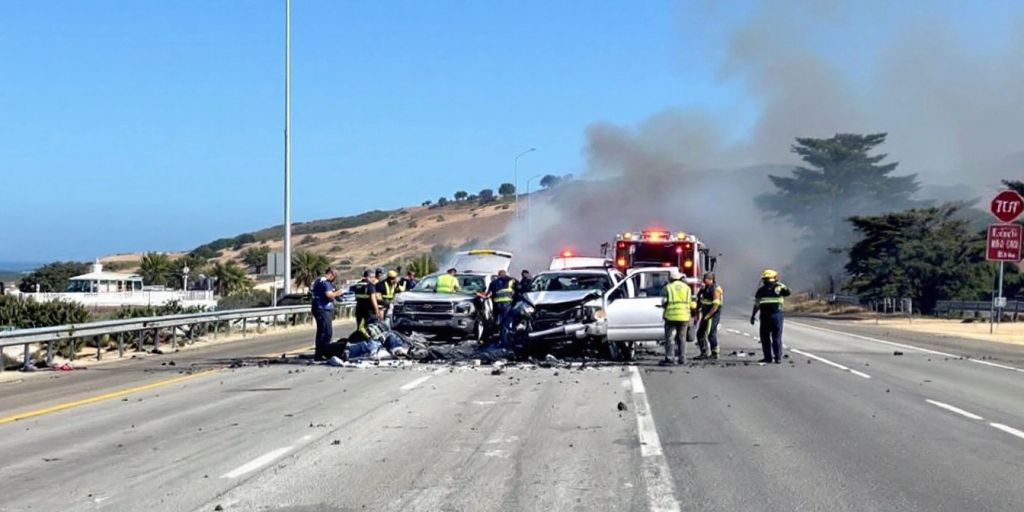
[
  {"x": 72, "y": 333},
  {"x": 949, "y": 307}
]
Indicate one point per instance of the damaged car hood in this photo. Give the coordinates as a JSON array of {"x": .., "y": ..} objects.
[
  {"x": 433, "y": 297},
  {"x": 562, "y": 297}
]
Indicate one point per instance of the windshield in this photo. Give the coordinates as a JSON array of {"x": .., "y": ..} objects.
[
  {"x": 468, "y": 284},
  {"x": 571, "y": 282}
]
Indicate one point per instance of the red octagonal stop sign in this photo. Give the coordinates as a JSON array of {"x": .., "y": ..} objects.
[{"x": 1007, "y": 205}]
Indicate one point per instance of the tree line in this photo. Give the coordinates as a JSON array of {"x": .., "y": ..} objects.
[{"x": 864, "y": 232}]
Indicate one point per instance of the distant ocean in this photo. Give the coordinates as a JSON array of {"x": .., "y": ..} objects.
[{"x": 18, "y": 266}]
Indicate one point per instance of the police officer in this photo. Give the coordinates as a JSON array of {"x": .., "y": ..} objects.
[
  {"x": 447, "y": 282},
  {"x": 709, "y": 303},
  {"x": 387, "y": 289},
  {"x": 501, "y": 292},
  {"x": 524, "y": 285},
  {"x": 676, "y": 299},
  {"x": 769, "y": 300},
  {"x": 323, "y": 311},
  {"x": 367, "y": 300}
]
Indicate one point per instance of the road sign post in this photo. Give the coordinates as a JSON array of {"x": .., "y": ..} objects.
[{"x": 1004, "y": 242}]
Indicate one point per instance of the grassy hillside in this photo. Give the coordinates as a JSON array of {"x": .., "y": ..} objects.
[{"x": 370, "y": 239}]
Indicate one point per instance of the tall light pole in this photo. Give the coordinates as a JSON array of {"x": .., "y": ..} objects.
[
  {"x": 287, "y": 146},
  {"x": 515, "y": 177},
  {"x": 529, "y": 207}
]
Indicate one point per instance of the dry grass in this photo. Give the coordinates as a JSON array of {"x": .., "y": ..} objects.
[{"x": 1012, "y": 333}]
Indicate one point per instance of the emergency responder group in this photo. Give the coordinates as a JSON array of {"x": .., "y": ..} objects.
[{"x": 375, "y": 292}]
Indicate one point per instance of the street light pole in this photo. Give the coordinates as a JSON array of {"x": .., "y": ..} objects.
[
  {"x": 287, "y": 146},
  {"x": 515, "y": 177},
  {"x": 529, "y": 207}
]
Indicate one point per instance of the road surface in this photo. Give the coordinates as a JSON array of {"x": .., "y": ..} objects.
[{"x": 843, "y": 424}]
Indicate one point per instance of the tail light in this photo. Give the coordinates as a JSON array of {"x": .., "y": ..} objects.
[
  {"x": 688, "y": 263},
  {"x": 621, "y": 262}
]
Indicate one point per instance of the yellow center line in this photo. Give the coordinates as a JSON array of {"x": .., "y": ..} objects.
[{"x": 93, "y": 399}]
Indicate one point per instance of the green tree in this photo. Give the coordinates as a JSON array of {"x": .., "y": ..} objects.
[
  {"x": 841, "y": 179},
  {"x": 423, "y": 265},
  {"x": 1015, "y": 185},
  {"x": 461, "y": 195},
  {"x": 486, "y": 196},
  {"x": 442, "y": 201},
  {"x": 307, "y": 266},
  {"x": 230, "y": 278},
  {"x": 926, "y": 254},
  {"x": 256, "y": 258},
  {"x": 196, "y": 264},
  {"x": 52, "y": 277},
  {"x": 550, "y": 181},
  {"x": 157, "y": 269},
  {"x": 506, "y": 189}
]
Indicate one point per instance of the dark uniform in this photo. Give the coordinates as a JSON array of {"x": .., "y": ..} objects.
[
  {"x": 503, "y": 290},
  {"x": 769, "y": 300},
  {"x": 707, "y": 332},
  {"x": 365, "y": 313},
  {"x": 323, "y": 314}
]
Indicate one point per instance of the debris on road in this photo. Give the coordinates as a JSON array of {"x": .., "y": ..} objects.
[
  {"x": 622, "y": 406},
  {"x": 897, "y": 353}
]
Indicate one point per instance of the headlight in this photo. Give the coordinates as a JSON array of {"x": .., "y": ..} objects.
[
  {"x": 524, "y": 310},
  {"x": 463, "y": 308},
  {"x": 598, "y": 313}
]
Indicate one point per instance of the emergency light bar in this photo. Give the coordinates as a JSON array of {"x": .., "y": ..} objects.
[{"x": 653, "y": 236}]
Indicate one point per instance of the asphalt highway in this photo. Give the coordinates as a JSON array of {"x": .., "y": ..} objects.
[{"x": 843, "y": 424}]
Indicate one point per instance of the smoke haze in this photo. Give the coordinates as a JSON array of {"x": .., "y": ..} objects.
[{"x": 952, "y": 109}]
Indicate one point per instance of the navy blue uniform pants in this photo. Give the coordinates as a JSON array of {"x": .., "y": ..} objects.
[
  {"x": 324, "y": 330},
  {"x": 707, "y": 333},
  {"x": 503, "y": 316},
  {"x": 771, "y": 336}
]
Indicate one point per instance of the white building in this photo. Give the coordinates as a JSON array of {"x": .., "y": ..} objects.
[{"x": 112, "y": 289}]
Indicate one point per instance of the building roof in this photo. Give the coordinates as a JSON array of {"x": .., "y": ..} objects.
[{"x": 107, "y": 276}]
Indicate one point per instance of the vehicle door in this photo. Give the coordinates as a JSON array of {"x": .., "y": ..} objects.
[{"x": 634, "y": 309}]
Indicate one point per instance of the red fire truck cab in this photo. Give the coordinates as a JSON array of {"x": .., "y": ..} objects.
[{"x": 662, "y": 248}]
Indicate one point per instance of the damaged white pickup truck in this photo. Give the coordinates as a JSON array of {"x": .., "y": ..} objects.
[{"x": 586, "y": 310}]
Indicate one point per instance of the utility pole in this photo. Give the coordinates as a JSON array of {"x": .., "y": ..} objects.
[{"x": 287, "y": 146}]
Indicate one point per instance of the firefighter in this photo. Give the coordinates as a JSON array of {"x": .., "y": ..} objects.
[
  {"x": 769, "y": 300},
  {"x": 709, "y": 301},
  {"x": 367, "y": 300},
  {"x": 677, "y": 299},
  {"x": 447, "y": 282},
  {"x": 501, "y": 291},
  {"x": 387, "y": 289}
]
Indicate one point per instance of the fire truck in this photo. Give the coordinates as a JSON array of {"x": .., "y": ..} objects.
[{"x": 661, "y": 248}]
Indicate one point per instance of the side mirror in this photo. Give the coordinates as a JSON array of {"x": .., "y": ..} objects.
[{"x": 712, "y": 262}]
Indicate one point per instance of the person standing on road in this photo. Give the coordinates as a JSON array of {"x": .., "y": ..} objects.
[
  {"x": 523, "y": 286},
  {"x": 501, "y": 291},
  {"x": 367, "y": 300},
  {"x": 387, "y": 289},
  {"x": 769, "y": 300},
  {"x": 323, "y": 311},
  {"x": 408, "y": 282},
  {"x": 676, "y": 299},
  {"x": 447, "y": 282},
  {"x": 709, "y": 302}
]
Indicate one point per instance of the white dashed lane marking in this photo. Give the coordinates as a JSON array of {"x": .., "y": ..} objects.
[
  {"x": 830, "y": 363},
  {"x": 661, "y": 495}
]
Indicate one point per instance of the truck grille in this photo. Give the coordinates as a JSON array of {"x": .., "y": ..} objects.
[{"x": 427, "y": 307}]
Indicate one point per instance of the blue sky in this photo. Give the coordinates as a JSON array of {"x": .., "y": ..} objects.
[{"x": 131, "y": 125}]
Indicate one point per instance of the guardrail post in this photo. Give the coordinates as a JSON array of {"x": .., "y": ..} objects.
[
  {"x": 71, "y": 349},
  {"x": 174, "y": 337},
  {"x": 191, "y": 334},
  {"x": 244, "y": 320},
  {"x": 28, "y": 358},
  {"x": 99, "y": 348},
  {"x": 156, "y": 339},
  {"x": 120, "y": 345},
  {"x": 216, "y": 327},
  {"x": 142, "y": 337},
  {"x": 49, "y": 353},
  {"x": 259, "y": 325}
]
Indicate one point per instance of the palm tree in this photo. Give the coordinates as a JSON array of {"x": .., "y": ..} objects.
[
  {"x": 230, "y": 278},
  {"x": 307, "y": 266},
  {"x": 156, "y": 268}
]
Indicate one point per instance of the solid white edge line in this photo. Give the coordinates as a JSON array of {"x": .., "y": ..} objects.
[
  {"x": 413, "y": 384},
  {"x": 661, "y": 494},
  {"x": 1009, "y": 430},
  {"x": 953, "y": 409},
  {"x": 830, "y": 363},
  {"x": 257, "y": 463},
  {"x": 910, "y": 347}
]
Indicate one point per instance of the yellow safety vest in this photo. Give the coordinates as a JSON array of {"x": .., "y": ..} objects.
[
  {"x": 506, "y": 294},
  {"x": 446, "y": 283},
  {"x": 389, "y": 290},
  {"x": 678, "y": 302}
]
